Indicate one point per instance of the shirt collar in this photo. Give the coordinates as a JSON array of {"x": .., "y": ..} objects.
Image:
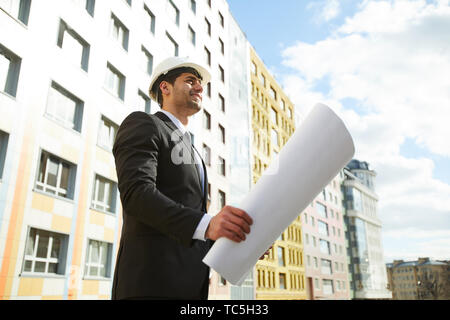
[{"x": 175, "y": 120}]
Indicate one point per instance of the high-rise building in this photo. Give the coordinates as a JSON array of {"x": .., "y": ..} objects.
[
  {"x": 368, "y": 279},
  {"x": 324, "y": 245},
  {"x": 281, "y": 275},
  {"x": 424, "y": 279},
  {"x": 70, "y": 72}
]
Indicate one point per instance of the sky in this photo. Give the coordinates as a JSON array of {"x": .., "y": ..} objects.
[{"x": 384, "y": 68}]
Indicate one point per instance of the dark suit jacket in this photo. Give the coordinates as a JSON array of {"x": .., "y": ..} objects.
[{"x": 162, "y": 205}]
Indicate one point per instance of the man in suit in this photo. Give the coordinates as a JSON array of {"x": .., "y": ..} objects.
[{"x": 162, "y": 181}]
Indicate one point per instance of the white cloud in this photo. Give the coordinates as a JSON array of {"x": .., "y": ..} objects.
[
  {"x": 325, "y": 10},
  {"x": 393, "y": 58}
]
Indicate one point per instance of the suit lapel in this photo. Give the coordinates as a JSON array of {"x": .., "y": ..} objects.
[{"x": 189, "y": 147}]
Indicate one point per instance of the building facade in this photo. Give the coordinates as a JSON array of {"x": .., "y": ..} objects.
[
  {"x": 423, "y": 279},
  {"x": 281, "y": 275},
  {"x": 324, "y": 245},
  {"x": 70, "y": 72},
  {"x": 368, "y": 279}
]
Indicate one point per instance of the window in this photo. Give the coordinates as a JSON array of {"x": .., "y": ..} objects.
[
  {"x": 119, "y": 32},
  {"x": 222, "y": 199},
  {"x": 283, "y": 104},
  {"x": 222, "y": 74},
  {"x": 254, "y": 68},
  {"x": 263, "y": 80},
  {"x": 171, "y": 45},
  {"x": 56, "y": 176},
  {"x": 73, "y": 46},
  {"x": 144, "y": 102},
  {"x": 98, "y": 259},
  {"x": 208, "y": 27},
  {"x": 107, "y": 133},
  {"x": 64, "y": 107},
  {"x": 194, "y": 6},
  {"x": 281, "y": 261},
  {"x": 19, "y": 9},
  {"x": 207, "y": 56},
  {"x": 191, "y": 35},
  {"x": 207, "y": 155},
  {"x": 326, "y": 266},
  {"x": 221, "y": 19},
  {"x": 115, "y": 81},
  {"x": 9, "y": 71},
  {"x": 273, "y": 93},
  {"x": 150, "y": 20},
  {"x": 325, "y": 247},
  {"x": 222, "y": 46},
  {"x": 45, "y": 252},
  {"x": 275, "y": 137},
  {"x": 282, "y": 280},
  {"x": 274, "y": 116},
  {"x": 208, "y": 89},
  {"x": 4, "y": 137},
  {"x": 90, "y": 7},
  {"x": 323, "y": 228},
  {"x": 206, "y": 120},
  {"x": 173, "y": 13},
  {"x": 222, "y": 134},
  {"x": 147, "y": 61},
  {"x": 327, "y": 286},
  {"x": 221, "y": 166},
  {"x": 104, "y": 194},
  {"x": 221, "y": 103},
  {"x": 322, "y": 210}
]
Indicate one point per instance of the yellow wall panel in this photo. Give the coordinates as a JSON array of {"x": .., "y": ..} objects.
[
  {"x": 90, "y": 287},
  {"x": 97, "y": 218},
  {"x": 42, "y": 202},
  {"x": 30, "y": 287},
  {"x": 61, "y": 224}
]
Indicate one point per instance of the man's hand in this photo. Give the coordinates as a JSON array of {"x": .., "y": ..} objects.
[{"x": 231, "y": 223}]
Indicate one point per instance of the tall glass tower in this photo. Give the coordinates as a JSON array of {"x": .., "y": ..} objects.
[{"x": 368, "y": 279}]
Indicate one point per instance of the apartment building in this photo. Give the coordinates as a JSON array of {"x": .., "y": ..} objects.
[
  {"x": 281, "y": 275},
  {"x": 70, "y": 72},
  {"x": 324, "y": 245},
  {"x": 368, "y": 279},
  {"x": 423, "y": 279}
]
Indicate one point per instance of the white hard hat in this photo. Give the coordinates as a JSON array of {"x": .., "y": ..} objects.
[{"x": 174, "y": 63}]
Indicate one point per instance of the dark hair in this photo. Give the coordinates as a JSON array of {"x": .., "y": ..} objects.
[{"x": 170, "y": 77}]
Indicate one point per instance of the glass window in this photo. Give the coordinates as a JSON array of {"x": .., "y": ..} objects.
[
  {"x": 107, "y": 133},
  {"x": 323, "y": 228},
  {"x": 325, "y": 247},
  {"x": 55, "y": 176},
  {"x": 327, "y": 286},
  {"x": 275, "y": 137},
  {"x": 144, "y": 102},
  {"x": 4, "y": 137},
  {"x": 19, "y": 9},
  {"x": 207, "y": 155},
  {"x": 64, "y": 107},
  {"x": 191, "y": 35},
  {"x": 73, "y": 46},
  {"x": 281, "y": 257},
  {"x": 173, "y": 12},
  {"x": 326, "y": 266},
  {"x": 147, "y": 61},
  {"x": 45, "y": 252},
  {"x": 322, "y": 210},
  {"x": 221, "y": 166},
  {"x": 221, "y": 103},
  {"x": 150, "y": 20},
  {"x": 115, "y": 81},
  {"x": 208, "y": 26},
  {"x": 9, "y": 71},
  {"x": 208, "y": 57},
  {"x": 104, "y": 194},
  {"x": 221, "y": 134},
  {"x": 119, "y": 32},
  {"x": 282, "y": 280},
  {"x": 98, "y": 258},
  {"x": 274, "y": 116},
  {"x": 206, "y": 120},
  {"x": 171, "y": 45}
]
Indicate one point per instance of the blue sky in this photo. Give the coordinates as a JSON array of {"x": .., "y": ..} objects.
[{"x": 362, "y": 59}]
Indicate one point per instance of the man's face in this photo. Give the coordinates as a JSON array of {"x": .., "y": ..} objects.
[{"x": 187, "y": 93}]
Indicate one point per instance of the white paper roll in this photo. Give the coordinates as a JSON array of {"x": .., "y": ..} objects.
[{"x": 312, "y": 157}]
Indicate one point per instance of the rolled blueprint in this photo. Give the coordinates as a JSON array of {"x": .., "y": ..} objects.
[{"x": 312, "y": 157}]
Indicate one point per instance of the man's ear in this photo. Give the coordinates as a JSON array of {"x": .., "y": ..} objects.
[{"x": 165, "y": 87}]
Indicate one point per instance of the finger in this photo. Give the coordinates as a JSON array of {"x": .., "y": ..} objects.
[
  {"x": 242, "y": 214},
  {"x": 231, "y": 236},
  {"x": 240, "y": 222},
  {"x": 235, "y": 229}
]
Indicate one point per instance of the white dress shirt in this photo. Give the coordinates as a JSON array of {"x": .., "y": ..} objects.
[{"x": 199, "y": 233}]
